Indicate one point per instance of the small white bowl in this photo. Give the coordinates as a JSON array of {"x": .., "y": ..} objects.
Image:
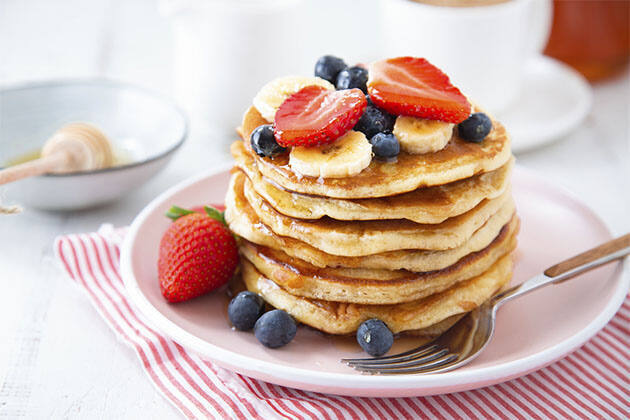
[{"x": 144, "y": 128}]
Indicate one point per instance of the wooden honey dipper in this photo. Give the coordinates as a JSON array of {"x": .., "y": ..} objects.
[{"x": 74, "y": 147}]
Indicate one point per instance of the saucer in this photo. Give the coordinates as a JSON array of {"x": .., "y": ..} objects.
[{"x": 554, "y": 100}]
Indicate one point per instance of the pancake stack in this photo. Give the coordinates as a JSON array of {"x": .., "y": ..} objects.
[{"x": 416, "y": 242}]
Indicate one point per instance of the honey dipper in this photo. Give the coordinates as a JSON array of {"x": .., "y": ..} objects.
[{"x": 74, "y": 147}]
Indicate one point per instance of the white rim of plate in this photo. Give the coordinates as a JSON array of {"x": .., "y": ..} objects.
[{"x": 462, "y": 379}]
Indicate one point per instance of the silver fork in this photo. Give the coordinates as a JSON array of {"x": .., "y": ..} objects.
[{"x": 469, "y": 336}]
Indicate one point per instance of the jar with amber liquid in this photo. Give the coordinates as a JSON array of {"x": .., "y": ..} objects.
[{"x": 592, "y": 36}]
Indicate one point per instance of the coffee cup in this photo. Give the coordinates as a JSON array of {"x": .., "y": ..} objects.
[
  {"x": 482, "y": 45},
  {"x": 224, "y": 51}
]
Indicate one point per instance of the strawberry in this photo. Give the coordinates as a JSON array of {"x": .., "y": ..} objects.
[
  {"x": 197, "y": 254},
  {"x": 315, "y": 116},
  {"x": 413, "y": 86}
]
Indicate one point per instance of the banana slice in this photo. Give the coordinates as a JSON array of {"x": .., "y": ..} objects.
[
  {"x": 270, "y": 97},
  {"x": 347, "y": 156},
  {"x": 418, "y": 135}
]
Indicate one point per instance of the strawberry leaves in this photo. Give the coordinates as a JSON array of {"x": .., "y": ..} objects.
[
  {"x": 176, "y": 212},
  {"x": 215, "y": 214}
]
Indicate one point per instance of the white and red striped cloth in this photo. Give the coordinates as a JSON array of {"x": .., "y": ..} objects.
[{"x": 592, "y": 382}]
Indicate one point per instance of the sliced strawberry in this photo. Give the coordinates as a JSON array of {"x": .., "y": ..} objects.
[
  {"x": 315, "y": 116},
  {"x": 413, "y": 86}
]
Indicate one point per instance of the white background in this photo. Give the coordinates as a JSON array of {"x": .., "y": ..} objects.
[{"x": 57, "y": 357}]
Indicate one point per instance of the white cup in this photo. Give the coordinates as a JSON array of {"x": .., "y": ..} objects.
[
  {"x": 483, "y": 49},
  {"x": 225, "y": 50}
]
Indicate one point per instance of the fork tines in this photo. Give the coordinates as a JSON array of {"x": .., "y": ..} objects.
[{"x": 423, "y": 359}]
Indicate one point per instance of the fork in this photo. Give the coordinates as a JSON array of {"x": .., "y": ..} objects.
[{"x": 466, "y": 339}]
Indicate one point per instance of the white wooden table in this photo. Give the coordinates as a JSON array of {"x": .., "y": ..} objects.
[{"x": 58, "y": 359}]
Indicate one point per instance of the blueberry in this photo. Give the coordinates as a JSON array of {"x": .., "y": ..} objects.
[
  {"x": 374, "y": 337},
  {"x": 352, "y": 77},
  {"x": 374, "y": 121},
  {"x": 328, "y": 67},
  {"x": 475, "y": 128},
  {"x": 264, "y": 143},
  {"x": 275, "y": 329},
  {"x": 385, "y": 145},
  {"x": 245, "y": 309}
]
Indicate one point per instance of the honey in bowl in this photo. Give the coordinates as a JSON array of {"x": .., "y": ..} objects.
[
  {"x": 122, "y": 156},
  {"x": 23, "y": 158}
]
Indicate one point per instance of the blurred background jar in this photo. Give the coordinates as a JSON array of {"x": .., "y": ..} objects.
[{"x": 592, "y": 36}]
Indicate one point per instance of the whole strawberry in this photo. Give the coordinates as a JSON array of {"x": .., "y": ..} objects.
[{"x": 198, "y": 254}]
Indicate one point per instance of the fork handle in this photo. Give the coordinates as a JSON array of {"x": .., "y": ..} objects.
[
  {"x": 583, "y": 262},
  {"x": 609, "y": 251}
]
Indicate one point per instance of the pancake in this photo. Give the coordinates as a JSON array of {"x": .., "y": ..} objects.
[
  {"x": 424, "y": 205},
  {"x": 244, "y": 222},
  {"x": 432, "y": 332},
  {"x": 345, "y": 318},
  {"x": 458, "y": 160},
  {"x": 363, "y": 237},
  {"x": 368, "y": 286},
  {"x": 423, "y": 335}
]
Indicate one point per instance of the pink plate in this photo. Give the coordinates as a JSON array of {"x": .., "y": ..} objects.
[{"x": 532, "y": 331}]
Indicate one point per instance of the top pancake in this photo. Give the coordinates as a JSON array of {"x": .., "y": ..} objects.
[
  {"x": 458, "y": 160},
  {"x": 424, "y": 205}
]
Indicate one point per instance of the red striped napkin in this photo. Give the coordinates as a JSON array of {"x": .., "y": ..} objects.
[{"x": 592, "y": 382}]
